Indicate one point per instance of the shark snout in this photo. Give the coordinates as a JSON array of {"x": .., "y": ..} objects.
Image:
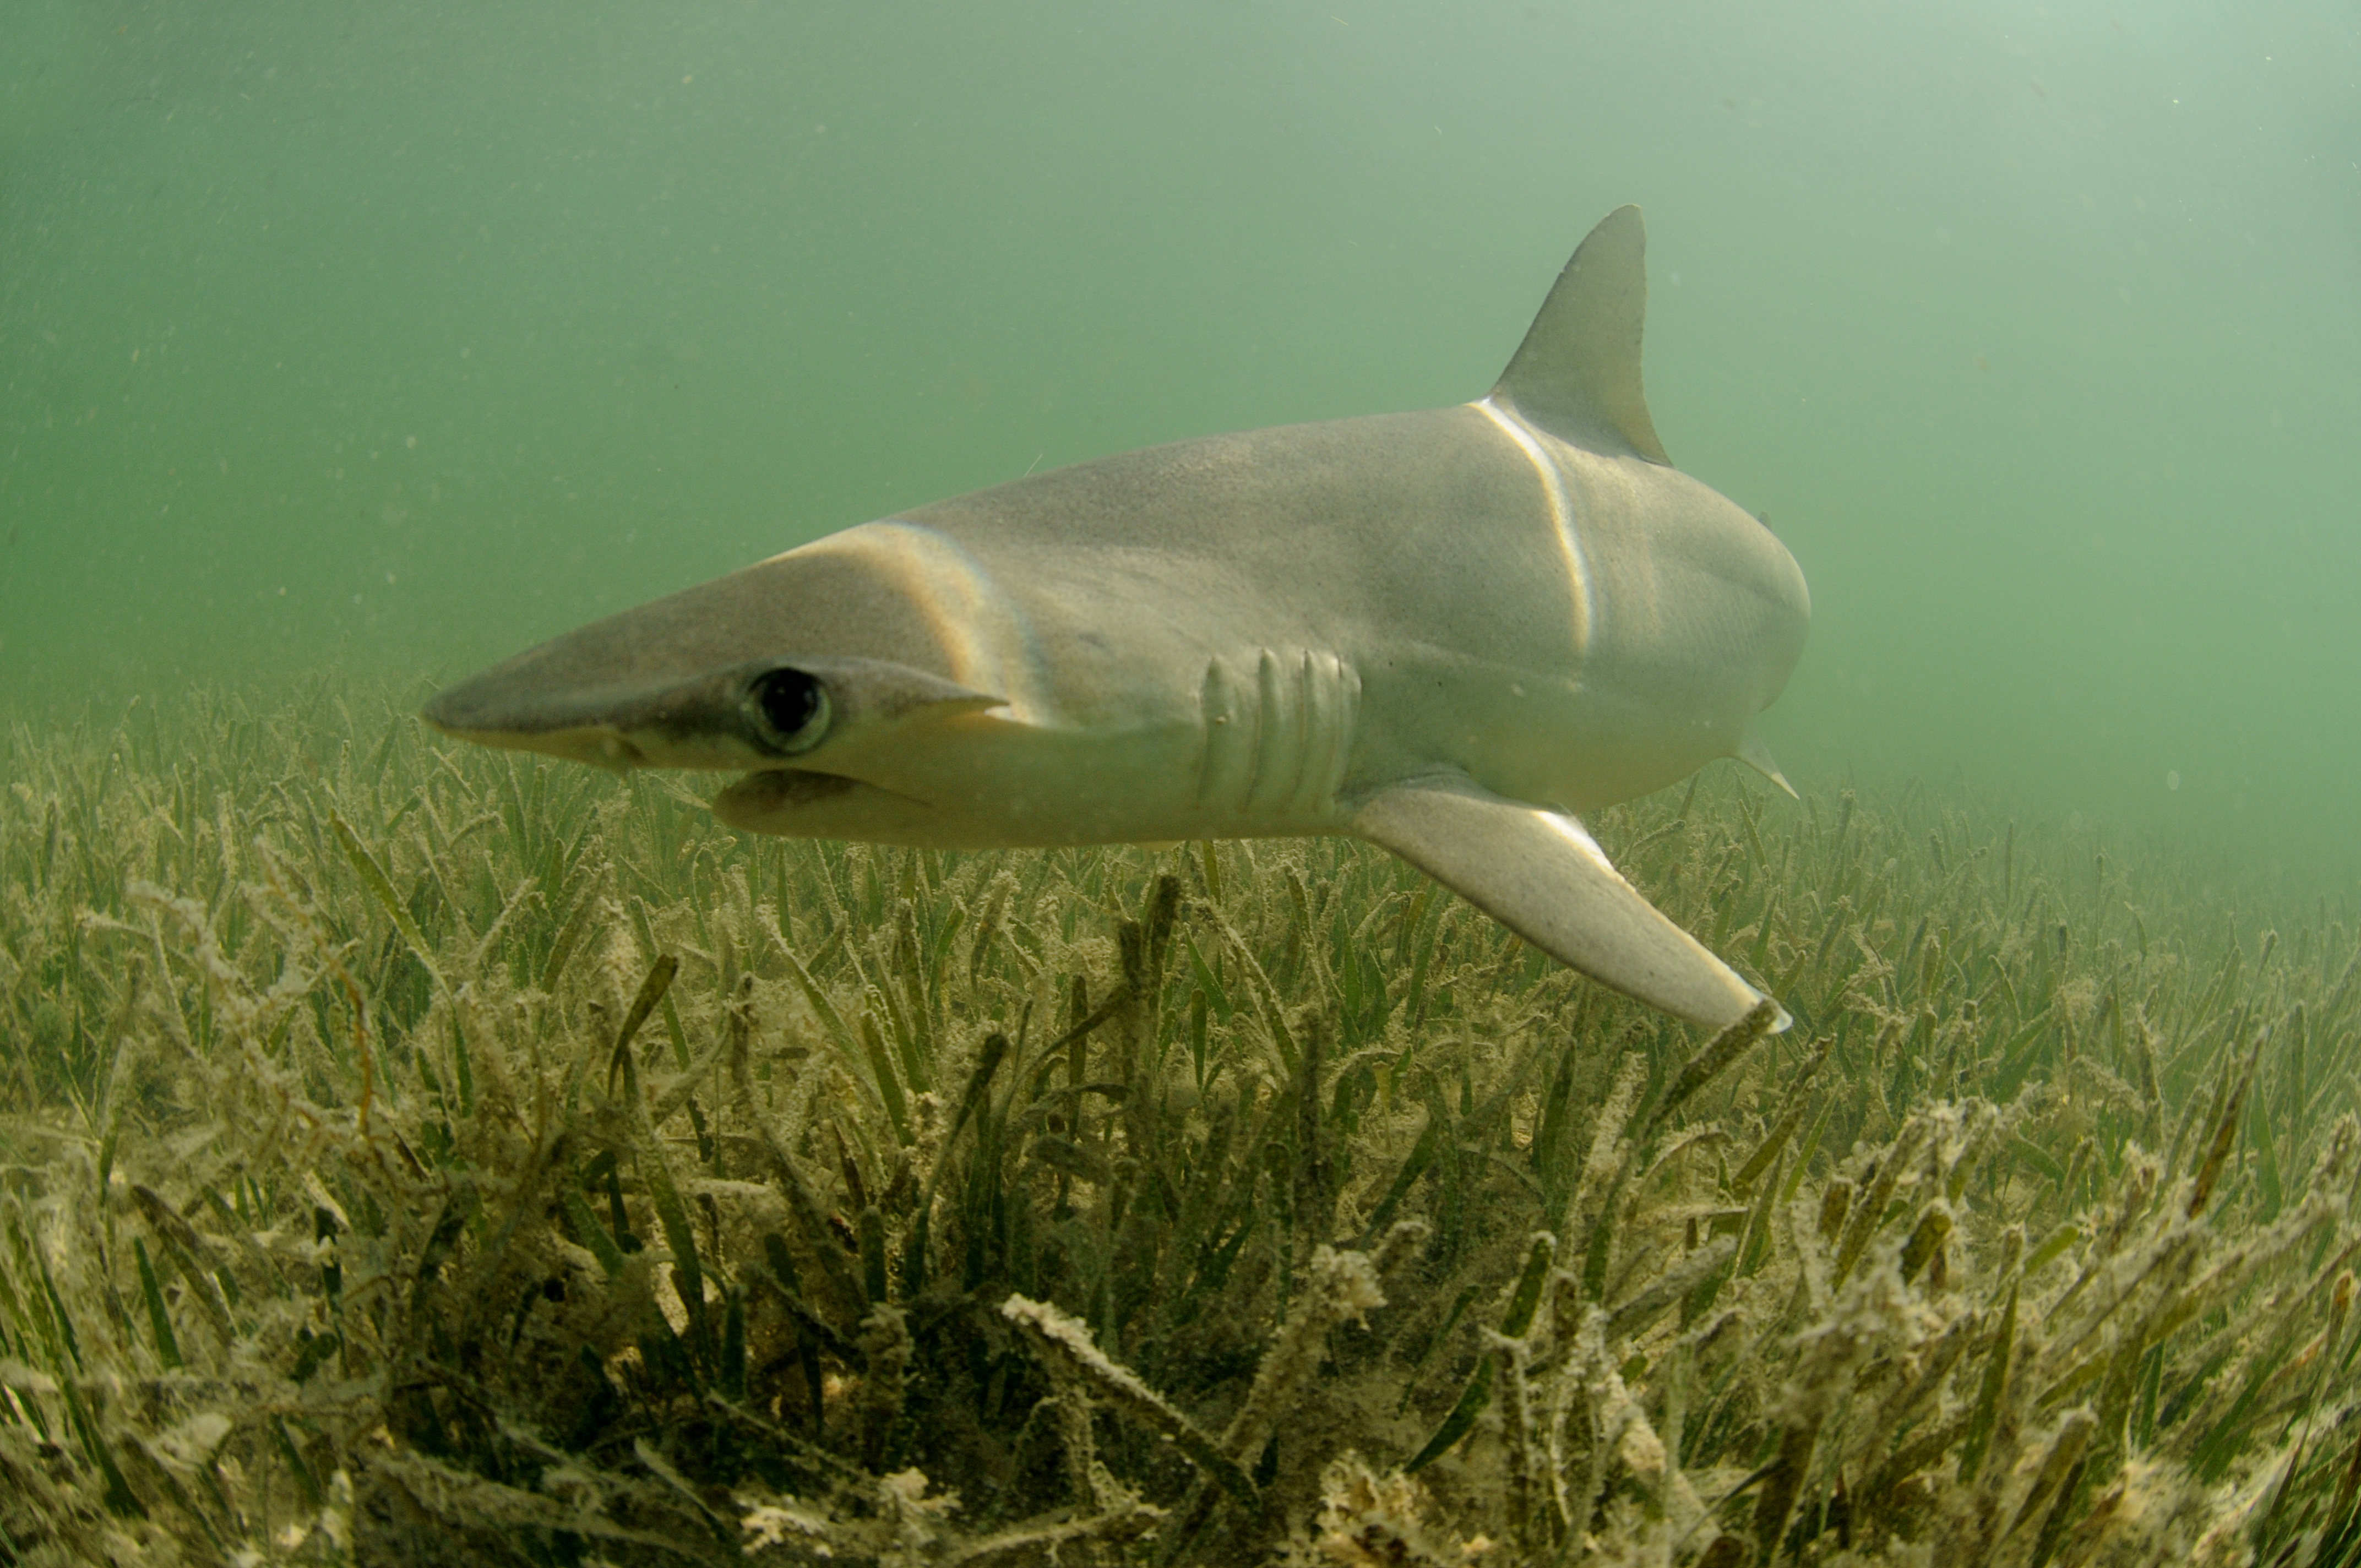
[
  {"x": 615, "y": 724},
  {"x": 563, "y": 700}
]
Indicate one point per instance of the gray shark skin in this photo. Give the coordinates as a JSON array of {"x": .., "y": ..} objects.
[{"x": 1448, "y": 632}]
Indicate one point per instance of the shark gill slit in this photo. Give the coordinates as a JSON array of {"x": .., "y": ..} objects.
[
  {"x": 1271, "y": 723},
  {"x": 1348, "y": 719},
  {"x": 1314, "y": 724},
  {"x": 1561, "y": 509},
  {"x": 1320, "y": 735},
  {"x": 1273, "y": 752},
  {"x": 1225, "y": 759}
]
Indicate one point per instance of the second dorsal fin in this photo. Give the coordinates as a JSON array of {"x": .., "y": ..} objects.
[{"x": 1577, "y": 372}]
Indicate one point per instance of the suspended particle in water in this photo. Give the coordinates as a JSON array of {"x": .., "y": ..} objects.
[{"x": 2172, "y": 779}]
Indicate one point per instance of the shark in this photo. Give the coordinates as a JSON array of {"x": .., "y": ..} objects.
[{"x": 1452, "y": 633}]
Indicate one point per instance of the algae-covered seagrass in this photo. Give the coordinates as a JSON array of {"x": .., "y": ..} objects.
[
  {"x": 416, "y": 1155},
  {"x": 1443, "y": 632}
]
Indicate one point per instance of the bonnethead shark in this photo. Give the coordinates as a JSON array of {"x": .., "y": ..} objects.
[{"x": 1450, "y": 632}]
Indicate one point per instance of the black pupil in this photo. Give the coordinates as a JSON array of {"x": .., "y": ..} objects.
[{"x": 789, "y": 698}]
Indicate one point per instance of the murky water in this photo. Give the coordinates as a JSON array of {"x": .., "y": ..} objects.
[
  {"x": 392, "y": 338},
  {"x": 354, "y": 1094}
]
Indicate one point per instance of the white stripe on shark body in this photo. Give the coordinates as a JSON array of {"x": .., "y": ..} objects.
[
  {"x": 1440, "y": 632},
  {"x": 1569, "y": 542},
  {"x": 982, "y": 631}
]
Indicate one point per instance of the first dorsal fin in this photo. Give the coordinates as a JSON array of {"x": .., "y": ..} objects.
[{"x": 1577, "y": 372}]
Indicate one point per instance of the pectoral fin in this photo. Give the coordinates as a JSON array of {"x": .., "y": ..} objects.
[{"x": 1540, "y": 875}]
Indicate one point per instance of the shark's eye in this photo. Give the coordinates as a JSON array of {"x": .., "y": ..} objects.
[{"x": 788, "y": 710}]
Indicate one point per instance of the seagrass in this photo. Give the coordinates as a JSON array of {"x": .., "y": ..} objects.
[{"x": 415, "y": 1154}]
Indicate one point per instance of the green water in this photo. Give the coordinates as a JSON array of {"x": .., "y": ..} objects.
[{"x": 387, "y": 339}]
